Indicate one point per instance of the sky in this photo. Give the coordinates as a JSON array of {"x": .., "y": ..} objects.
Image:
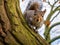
[{"x": 55, "y": 31}]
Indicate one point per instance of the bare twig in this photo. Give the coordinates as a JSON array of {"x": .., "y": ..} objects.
[
  {"x": 49, "y": 3},
  {"x": 55, "y": 2},
  {"x": 55, "y": 16}
]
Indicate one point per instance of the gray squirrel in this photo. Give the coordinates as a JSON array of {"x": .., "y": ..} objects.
[{"x": 34, "y": 15}]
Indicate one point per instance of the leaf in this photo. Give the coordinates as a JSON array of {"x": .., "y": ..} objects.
[{"x": 47, "y": 23}]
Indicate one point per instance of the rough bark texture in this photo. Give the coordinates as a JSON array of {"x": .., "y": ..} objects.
[{"x": 13, "y": 28}]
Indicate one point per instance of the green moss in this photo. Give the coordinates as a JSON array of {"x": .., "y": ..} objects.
[{"x": 1, "y": 2}]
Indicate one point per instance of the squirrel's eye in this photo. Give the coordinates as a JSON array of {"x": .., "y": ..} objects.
[
  {"x": 34, "y": 13},
  {"x": 42, "y": 16},
  {"x": 37, "y": 20}
]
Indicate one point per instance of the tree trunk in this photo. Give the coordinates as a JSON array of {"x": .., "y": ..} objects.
[{"x": 13, "y": 27}]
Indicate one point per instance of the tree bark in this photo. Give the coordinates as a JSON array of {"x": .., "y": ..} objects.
[{"x": 13, "y": 27}]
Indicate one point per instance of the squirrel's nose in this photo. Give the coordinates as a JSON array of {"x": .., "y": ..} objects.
[{"x": 38, "y": 20}]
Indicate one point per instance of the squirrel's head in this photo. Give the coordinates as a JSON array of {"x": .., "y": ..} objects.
[{"x": 38, "y": 18}]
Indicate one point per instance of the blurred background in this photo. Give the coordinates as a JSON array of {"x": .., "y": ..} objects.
[{"x": 56, "y": 30}]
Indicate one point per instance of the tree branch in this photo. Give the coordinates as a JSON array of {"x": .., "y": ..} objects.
[
  {"x": 52, "y": 6},
  {"x": 57, "y": 8},
  {"x": 52, "y": 12},
  {"x": 53, "y": 26},
  {"x": 47, "y": 28},
  {"x": 49, "y": 3},
  {"x": 58, "y": 37},
  {"x": 55, "y": 2},
  {"x": 55, "y": 16}
]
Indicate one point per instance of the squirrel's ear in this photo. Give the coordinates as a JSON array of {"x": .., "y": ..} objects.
[{"x": 43, "y": 12}]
